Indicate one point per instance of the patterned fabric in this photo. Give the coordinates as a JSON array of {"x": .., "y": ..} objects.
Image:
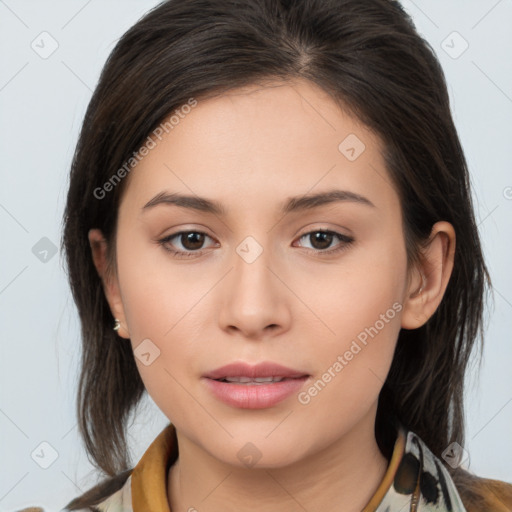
[
  {"x": 420, "y": 483},
  {"x": 415, "y": 480}
]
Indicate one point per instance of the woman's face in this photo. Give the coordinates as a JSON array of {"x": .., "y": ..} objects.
[{"x": 256, "y": 280}]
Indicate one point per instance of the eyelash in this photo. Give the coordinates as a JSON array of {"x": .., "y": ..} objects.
[{"x": 346, "y": 242}]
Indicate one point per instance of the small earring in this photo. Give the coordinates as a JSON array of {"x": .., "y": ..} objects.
[{"x": 117, "y": 325}]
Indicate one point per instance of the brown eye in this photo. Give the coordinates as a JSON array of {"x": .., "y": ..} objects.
[
  {"x": 321, "y": 241},
  {"x": 184, "y": 243},
  {"x": 192, "y": 240}
]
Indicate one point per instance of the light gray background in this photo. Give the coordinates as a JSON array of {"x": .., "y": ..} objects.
[{"x": 42, "y": 103}]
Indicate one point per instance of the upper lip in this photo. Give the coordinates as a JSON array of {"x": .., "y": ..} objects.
[{"x": 264, "y": 369}]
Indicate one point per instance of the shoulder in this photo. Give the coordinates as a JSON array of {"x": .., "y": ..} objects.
[
  {"x": 480, "y": 494},
  {"x": 476, "y": 494},
  {"x": 111, "y": 495}
]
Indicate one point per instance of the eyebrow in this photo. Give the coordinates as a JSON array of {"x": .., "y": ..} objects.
[{"x": 292, "y": 204}]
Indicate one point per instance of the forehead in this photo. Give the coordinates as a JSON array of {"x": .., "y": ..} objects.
[{"x": 258, "y": 144}]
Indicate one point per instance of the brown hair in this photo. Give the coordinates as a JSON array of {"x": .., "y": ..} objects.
[{"x": 369, "y": 57}]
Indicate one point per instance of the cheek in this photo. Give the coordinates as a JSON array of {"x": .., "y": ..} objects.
[
  {"x": 156, "y": 290},
  {"x": 354, "y": 294},
  {"x": 164, "y": 314},
  {"x": 360, "y": 308},
  {"x": 352, "y": 370}
]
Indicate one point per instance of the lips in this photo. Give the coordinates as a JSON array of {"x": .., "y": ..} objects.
[
  {"x": 261, "y": 373},
  {"x": 250, "y": 396}
]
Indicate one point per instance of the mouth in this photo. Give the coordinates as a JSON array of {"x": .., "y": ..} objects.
[
  {"x": 241, "y": 372},
  {"x": 257, "y": 381},
  {"x": 245, "y": 392}
]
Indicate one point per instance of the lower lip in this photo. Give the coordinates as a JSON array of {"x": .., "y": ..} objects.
[{"x": 254, "y": 396}]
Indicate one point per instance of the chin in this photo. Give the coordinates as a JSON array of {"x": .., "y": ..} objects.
[{"x": 256, "y": 452}]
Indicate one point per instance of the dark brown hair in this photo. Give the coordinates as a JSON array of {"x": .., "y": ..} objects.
[{"x": 369, "y": 57}]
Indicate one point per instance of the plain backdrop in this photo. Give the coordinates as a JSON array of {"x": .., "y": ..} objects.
[{"x": 51, "y": 54}]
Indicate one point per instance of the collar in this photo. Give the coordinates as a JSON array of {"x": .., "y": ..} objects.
[
  {"x": 149, "y": 476},
  {"x": 415, "y": 479}
]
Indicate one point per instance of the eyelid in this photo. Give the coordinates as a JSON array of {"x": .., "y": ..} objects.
[
  {"x": 345, "y": 241},
  {"x": 336, "y": 230},
  {"x": 177, "y": 234}
]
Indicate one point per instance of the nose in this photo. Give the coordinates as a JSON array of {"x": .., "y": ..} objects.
[{"x": 253, "y": 299}]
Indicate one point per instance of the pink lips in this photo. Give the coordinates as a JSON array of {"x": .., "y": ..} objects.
[
  {"x": 254, "y": 395},
  {"x": 265, "y": 369}
]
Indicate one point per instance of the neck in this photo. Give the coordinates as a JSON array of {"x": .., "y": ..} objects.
[{"x": 343, "y": 476}]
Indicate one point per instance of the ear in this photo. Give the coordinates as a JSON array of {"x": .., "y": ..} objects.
[
  {"x": 430, "y": 278},
  {"x": 110, "y": 283}
]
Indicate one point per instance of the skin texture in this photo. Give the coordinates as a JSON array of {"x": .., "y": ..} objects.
[{"x": 250, "y": 150}]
